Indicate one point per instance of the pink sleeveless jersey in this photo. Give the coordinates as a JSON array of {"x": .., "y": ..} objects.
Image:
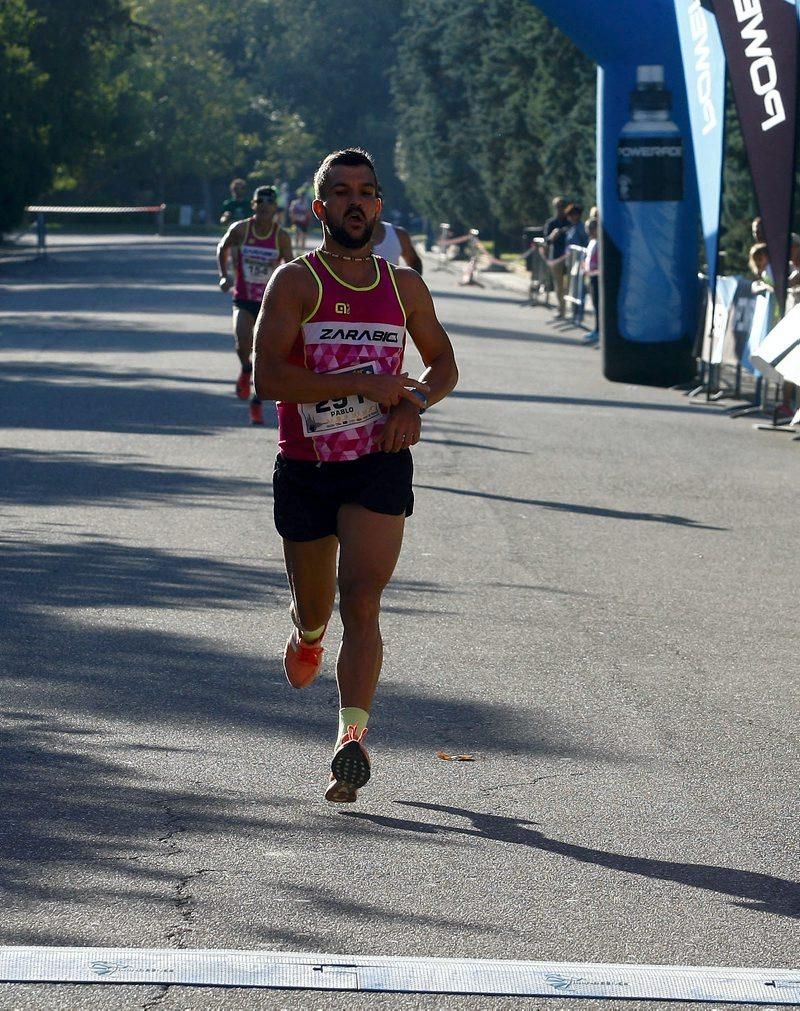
[
  {"x": 257, "y": 259},
  {"x": 350, "y": 328}
]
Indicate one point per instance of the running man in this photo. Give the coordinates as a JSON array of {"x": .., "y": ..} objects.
[
  {"x": 329, "y": 350},
  {"x": 393, "y": 242},
  {"x": 300, "y": 217},
  {"x": 259, "y": 245}
]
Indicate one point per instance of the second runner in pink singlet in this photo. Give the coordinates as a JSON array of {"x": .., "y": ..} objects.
[{"x": 258, "y": 257}]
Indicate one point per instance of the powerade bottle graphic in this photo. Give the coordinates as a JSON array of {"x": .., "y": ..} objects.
[{"x": 650, "y": 188}]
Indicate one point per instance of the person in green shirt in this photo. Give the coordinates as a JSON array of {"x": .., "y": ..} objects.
[{"x": 237, "y": 206}]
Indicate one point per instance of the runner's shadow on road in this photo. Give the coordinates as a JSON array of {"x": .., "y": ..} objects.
[
  {"x": 572, "y": 507},
  {"x": 747, "y": 889}
]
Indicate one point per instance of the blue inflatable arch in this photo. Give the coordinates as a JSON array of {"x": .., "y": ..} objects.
[{"x": 646, "y": 188}]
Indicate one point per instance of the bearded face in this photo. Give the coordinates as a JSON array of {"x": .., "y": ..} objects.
[
  {"x": 351, "y": 206},
  {"x": 353, "y": 230}
]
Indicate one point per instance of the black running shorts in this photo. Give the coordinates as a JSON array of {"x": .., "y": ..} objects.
[
  {"x": 308, "y": 495},
  {"x": 248, "y": 305}
]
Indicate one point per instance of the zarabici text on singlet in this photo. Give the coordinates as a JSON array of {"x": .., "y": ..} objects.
[{"x": 330, "y": 333}]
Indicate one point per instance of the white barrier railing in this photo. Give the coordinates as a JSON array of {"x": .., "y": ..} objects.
[{"x": 42, "y": 210}]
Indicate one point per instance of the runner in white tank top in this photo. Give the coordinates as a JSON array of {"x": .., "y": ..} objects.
[
  {"x": 329, "y": 349},
  {"x": 393, "y": 242}
]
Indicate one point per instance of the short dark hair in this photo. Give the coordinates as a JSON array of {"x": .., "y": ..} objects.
[
  {"x": 265, "y": 192},
  {"x": 347, "y": 156}
]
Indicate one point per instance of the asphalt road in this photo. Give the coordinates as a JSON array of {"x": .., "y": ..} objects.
[{"x": 595, "y": 601}]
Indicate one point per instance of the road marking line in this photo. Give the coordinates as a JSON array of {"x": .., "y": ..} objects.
[{"x": 298, "y": 970}]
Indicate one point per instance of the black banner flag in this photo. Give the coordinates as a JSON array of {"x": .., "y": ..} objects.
[{"x": 760, "y": 39}]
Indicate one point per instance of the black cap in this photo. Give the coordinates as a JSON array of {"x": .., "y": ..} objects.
[{"x": 265, "y": 193}]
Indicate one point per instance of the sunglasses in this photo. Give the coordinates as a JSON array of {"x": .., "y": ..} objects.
[{"x": 265, "y": 200}]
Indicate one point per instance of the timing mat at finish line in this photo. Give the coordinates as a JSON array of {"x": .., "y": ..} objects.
[{"x": 296, "y": 970}]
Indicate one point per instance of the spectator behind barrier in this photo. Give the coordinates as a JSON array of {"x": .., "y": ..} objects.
[
  {"x": 793, "y": 284},
  {"x": 591, "y": 269},
  {"x": 759, "y": 264},
  {"x": 576, "y": 233},
  {"x": 555, "y": 236}
]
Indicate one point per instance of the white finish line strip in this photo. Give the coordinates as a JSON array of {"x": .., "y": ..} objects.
[{"x": 296, "y": 970}]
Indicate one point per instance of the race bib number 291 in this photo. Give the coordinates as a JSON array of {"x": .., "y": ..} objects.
[{"x": 337, "y": 415}]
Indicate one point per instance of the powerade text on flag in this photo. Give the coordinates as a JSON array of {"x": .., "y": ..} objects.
[
  {"x": 704, "y": 70},
  {"x": 760, "y": 42}
]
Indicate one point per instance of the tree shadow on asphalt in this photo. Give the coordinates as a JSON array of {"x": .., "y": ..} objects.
[
  {"x": 88, "y": 685},
  {"x": 25, "y": 371},
  {"x": 537, "y": 398},
  {"x": 332, "y": 908},
  {"x": 34, "y": 477},
  {"x": 749, "y": 889},
  {"x": 457, "y": 329},
  {"x": 461, "y": 444},
  {"x": 84, "y": 333},
  {"x": 581, "y": 510},
  {"x": 512, "y": 298},
  {"x": 35, "y": 397},
  {"x": 143, "y": 281}
]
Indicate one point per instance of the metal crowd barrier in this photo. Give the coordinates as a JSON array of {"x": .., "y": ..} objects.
[
  {"x": 730, "y": 331},
  {"x": 576, "y": 291}
]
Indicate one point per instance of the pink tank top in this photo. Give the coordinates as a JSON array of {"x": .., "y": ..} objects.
[
  {"x": 350, "y": 328},
  {"x": 257, "y": 259}
]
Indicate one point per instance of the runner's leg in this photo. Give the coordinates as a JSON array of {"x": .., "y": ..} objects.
[
  {"x": 311, "y": 570},
  {"x": 369, "y": 548},
  {"x": 243, "y": 325}
]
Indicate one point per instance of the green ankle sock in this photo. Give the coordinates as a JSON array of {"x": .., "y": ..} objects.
[
  {"x": 313, "y": 635},
  {"x": 348, "y": 717}
]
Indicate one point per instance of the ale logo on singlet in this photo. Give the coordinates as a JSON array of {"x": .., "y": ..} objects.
[{"x": 342, "y": 309}]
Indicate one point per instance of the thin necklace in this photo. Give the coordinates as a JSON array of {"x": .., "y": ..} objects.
[{"x": 341, "y": 256}]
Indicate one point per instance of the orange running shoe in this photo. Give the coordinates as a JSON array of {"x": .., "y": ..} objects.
[
  {"x": 302, "y": 660},
  {"x": 350, "y": 768},
  {"x": 256, "y": 413},
  {"x": 243, "y": 385}
]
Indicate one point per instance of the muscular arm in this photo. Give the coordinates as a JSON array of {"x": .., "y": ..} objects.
[
  {"x": 407, "y": 250},
  {"x": 230, "y": 240},
  {"x": 285, "y": 246},
  {"x": 290, "y": 296},
  {"x": 431, "y": 340}
]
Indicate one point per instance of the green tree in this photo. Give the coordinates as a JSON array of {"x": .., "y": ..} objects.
[
  {"x": 330, "y": 65},
  {"x": 23, "y": 167},
  {"x": 439, "y": 138},
  {"x": 179, "y": 116},
  {"x": 54, "y": 96},
  {"x": 738, "y": 197},
  {"x": 492, "y": 121}
]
